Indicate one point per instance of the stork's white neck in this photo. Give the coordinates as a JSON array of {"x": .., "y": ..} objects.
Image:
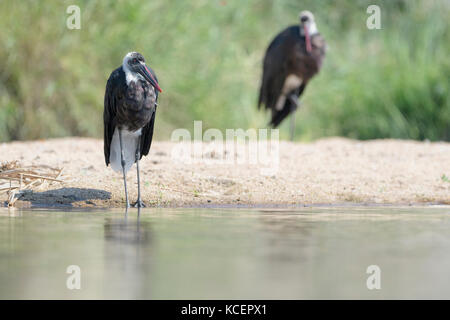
[
  {"x": 130, "y": 75},
  {"x": 312, "y": 29}
]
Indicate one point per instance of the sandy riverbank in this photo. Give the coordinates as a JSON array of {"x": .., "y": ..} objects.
[{"x": 328, "y": 171}]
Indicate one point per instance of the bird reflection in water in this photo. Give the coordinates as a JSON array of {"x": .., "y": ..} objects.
[
  {"x": 128, "y": 256},
  {"x": 127, "y": 230}
]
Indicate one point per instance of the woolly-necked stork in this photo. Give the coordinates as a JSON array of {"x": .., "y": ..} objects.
[
  {"x": 129, "y": 115},
  {"x": 291, "y": 60}
]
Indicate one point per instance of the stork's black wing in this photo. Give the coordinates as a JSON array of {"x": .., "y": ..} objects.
[
  {"x": 147, "y": 135},
  {"x": 112, "y": 93},
  {"x": 274, "y": 69}
]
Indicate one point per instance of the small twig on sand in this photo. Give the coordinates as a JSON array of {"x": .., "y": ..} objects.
[
  {"x": 57, "y": 176},
  {"x": 40, "y": 177}
]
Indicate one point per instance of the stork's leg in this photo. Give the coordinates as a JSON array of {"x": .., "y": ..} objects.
[
  {"x": 122, "y": 161},
  {"x": 139, "y": 203},
  {"x": 292, "y": 126},
  {"x": 293, "y": 99}
]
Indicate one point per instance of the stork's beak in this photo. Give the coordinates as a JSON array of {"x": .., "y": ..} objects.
[
  {"x": 307, "y": 39},
  {"x": 145, "y": 72}
]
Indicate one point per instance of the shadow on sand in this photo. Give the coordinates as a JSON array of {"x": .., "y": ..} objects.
[{"x": 64, "y": 197}]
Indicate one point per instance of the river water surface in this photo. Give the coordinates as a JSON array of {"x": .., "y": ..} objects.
[{"x": 226, "y": 253}]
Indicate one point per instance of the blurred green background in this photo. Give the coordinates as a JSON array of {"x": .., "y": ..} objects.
[{"x": 392, "y": 82}]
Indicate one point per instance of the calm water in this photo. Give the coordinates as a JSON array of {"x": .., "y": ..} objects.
[{"x": 226, "y": 253}]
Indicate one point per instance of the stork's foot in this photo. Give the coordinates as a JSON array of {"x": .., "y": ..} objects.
[{"x": 139, "y": 204}]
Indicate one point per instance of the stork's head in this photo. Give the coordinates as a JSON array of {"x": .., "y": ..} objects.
[
  {"x": 308, "y": 27},
  {"x": 134, "y": 64}
]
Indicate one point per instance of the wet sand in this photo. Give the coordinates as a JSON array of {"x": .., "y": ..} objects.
[{"x": 332, "y": 171}]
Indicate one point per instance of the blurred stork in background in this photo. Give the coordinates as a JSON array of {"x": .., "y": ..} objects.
[{"x": 291, "y": 60}]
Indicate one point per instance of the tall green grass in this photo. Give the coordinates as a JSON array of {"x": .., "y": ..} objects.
[{"x": 392, "y": 82}]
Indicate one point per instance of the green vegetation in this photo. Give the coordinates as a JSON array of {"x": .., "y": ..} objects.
[{"x": 392, "y": 82}]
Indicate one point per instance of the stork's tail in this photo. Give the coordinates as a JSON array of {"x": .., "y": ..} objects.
[{"x": 279, "y": 115}]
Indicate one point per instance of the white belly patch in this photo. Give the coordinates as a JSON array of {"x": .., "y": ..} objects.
[
  {"x": 292, "y": 82},
  {"x": 129, "y": 143}
]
